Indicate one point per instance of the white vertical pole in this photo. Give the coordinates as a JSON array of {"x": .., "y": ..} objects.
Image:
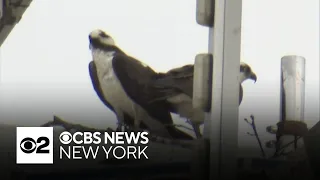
[
  {"x": 292, "y": 93},
  {"x": 224, "y": 44}
]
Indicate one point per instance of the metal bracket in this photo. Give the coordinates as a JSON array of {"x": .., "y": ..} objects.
[
  {"x": 205, "y": 12},
  {"x": 202, "y": 82},
  {"x": 296, "y": 128}
]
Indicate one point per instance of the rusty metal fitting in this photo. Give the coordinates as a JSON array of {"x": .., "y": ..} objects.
[{"x": 295, "y": 128}]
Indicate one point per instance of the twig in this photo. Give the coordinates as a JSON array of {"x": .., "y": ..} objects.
[
  {"x": 253, "y": 125},
  {"x": 180, "y": 125},
  {"x": 68, "y": 126},
  {"x": 276, "y": 154},
  {"x": 295, "y": 142}
]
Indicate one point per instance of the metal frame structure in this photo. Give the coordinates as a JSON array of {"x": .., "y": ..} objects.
[
  {"x": 225, "y": 44},
  {"x": 221, "y": 125}
]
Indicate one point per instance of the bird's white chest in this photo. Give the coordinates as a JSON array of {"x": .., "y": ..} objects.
[{"x": 111, "y": 87}]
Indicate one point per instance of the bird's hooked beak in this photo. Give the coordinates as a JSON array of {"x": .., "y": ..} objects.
[{"x": 253, "y": 77}]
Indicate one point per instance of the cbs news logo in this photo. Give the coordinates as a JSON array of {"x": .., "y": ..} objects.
[{"x": 34, "y": 145}]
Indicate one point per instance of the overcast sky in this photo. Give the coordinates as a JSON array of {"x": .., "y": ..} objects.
[{"x": 44, "y": 61}]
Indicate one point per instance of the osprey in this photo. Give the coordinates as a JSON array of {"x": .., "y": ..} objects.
[
  {"x": 177, "y": 87},
  {"x": 122, "y": 84}
]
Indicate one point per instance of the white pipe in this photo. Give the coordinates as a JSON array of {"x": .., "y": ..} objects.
[{"x": 292, "y": 93}]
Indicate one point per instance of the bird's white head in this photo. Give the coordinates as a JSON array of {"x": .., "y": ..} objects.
[
  {"x": 98, "y": 38},
  {"x": 246, "y": 73}
]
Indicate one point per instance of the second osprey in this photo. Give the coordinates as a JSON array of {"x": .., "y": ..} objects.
[{"x": 176, "y": 87}]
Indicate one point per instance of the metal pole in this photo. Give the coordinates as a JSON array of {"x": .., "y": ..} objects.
[
  {"x": 224, "y": 44},
  {"x": 292, "y": 95}
]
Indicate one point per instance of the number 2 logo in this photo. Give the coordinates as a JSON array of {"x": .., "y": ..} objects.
[{"x": 29, "y": 145}]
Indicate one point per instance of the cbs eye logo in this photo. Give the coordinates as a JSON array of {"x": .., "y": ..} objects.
[
  {"x": 65, "y": 137},
  {"x": 29, "y": 145}
]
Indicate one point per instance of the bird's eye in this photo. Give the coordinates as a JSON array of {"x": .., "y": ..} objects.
[
  {"x": 245, "y": 69},
  {"x": 103, "y": 35},
  {"x": 28, "y": 145},
  {"x": 248, "y": 69},
  {"x": 242, "y": 69}
]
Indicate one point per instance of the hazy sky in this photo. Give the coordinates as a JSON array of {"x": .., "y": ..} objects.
[{"x": 44, "y": 61}]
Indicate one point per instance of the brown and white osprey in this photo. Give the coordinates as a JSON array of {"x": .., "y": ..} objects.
[
  {"x": 122, "y": 84},
  {"x": 176, "y": 87}
]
